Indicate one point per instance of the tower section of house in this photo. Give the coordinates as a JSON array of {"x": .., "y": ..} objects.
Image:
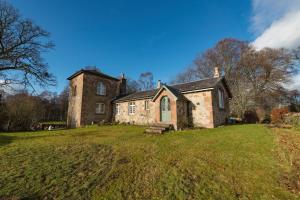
[{"x": 91, "y": 94}]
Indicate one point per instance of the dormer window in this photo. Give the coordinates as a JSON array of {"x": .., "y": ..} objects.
[{"x": 101, "y": 88}]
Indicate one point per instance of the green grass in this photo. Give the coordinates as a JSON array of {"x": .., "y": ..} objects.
[
  {"x": 54, "y": 122},
  {"x": 120, "y": 162}
]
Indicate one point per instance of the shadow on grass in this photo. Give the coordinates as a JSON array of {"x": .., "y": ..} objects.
[{"x": 5, "y": 140}]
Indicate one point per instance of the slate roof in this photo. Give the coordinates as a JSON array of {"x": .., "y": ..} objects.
[
  {"x": 138, "y": 95},
  {"x": 197, "y": 85},
  {"x": 176, "y": 92},
  {"x": 94, "y": 72},
  {"x": 177, "y": 89}
]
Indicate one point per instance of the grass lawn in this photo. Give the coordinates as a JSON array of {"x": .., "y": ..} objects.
[{"x": 120, "y": 162}]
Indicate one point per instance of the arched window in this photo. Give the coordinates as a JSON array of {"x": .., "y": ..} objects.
[
  {"x": 165, "y": 104},
  {"x": 101, "y": 88}
]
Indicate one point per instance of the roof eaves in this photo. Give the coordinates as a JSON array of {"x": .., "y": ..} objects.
[
  {"x": 132, "y": 99},
  {"x": 91, "y": 72},
  {"x": 200, "y": 90},
  {"x": 159, "y": 91}
]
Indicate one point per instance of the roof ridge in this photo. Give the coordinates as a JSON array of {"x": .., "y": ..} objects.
[
  {"x": 195, "y": 81},
  {"x": 99, "y": 72},
  {"x": 92, "y": 71}
]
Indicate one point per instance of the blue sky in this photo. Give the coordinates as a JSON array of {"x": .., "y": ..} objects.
[{"x": 134, "y": 36}]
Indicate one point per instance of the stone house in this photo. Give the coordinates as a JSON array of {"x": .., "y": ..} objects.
[{"x": 97, "y": 97}]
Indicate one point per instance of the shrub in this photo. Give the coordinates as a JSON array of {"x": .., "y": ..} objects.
[
  {"x": 292, "y": 119},
  {"x": 23, "y": 111},
  {"x": 3, "y": 117},
  {"x": 278, "y": 114}
]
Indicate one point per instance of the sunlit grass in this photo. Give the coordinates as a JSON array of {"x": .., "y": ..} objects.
[{"x": 121, "y": 162}]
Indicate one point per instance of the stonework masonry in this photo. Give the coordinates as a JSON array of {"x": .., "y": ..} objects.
[
  {"x": 220, "y": 115},
  {"x": 200, "y": 109},
  {"x": 196, "y": 108},
  {"x": 82, "y": 105},
  {"x": 75, "y": 101},
  {"x": 141, "y": 115}
]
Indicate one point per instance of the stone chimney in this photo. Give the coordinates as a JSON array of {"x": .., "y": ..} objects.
[
  {"x": 158, "y": 84},
  {"x": 123, "y": 85},
  {"x": 216, "y": 73}
]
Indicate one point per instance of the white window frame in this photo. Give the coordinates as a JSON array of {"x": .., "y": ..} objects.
[
  {"x": 147, "y": 105},
  {"x": 221, "y": 98},
  {"x": 131, "y": 108},
  {"x": 100, "y": 108},
  {"x": 118, "y": 109},
  {"x": 101, "y": 88}
]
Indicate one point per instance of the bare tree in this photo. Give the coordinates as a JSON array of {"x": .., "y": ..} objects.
[
  {"x": 21, "y": 44},
  {"x": 63, "y": 102},
  {"x": 267, "y": 71},
  {"x": 146, "y": 81},
  {"x": 23, "y": 111},
  {"x": 190, "y": 74},
  {"x": 256, "y": 78},
  {"x": 132, "y": 86}
]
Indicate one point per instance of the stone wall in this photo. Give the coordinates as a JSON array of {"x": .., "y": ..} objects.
[
  {"x": 82, "y": 107},
  {"x": 75, "y": 102},
  {"x": 220, "y": 114},
  {"x": 182, "y": 114},
  {"x": 200, "y": 109},
  {"x": 90, "y": 98},
  {"x": 141, "y": 116},
  {"x": 147, "y": 117},
  {"x": 198, "y": 112}
]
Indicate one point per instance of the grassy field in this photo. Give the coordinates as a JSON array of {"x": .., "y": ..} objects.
[{"x": 120, "y": 162}]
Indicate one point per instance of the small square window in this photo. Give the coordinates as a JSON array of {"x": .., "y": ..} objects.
[{"x": 100, "y": 108}]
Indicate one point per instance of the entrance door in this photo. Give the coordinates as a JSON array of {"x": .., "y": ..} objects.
[{"x": 165, "y": 109}]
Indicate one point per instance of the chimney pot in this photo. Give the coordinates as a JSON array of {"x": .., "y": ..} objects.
[
  {"x": 158, "y": 84},
  {"x": 122, "y": 76},
  {"x": 216, "y": 73}
]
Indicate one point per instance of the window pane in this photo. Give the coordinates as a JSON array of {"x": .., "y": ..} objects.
[
  {"x": 169, "y": 106},
  {"x": 101, "y": 88},
  {"x": 221, "y": 98},
  {"x": 102, "y": 108},
  {"x": 97, "y": 108}
]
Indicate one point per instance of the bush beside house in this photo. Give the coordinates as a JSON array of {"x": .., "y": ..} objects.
[{"x": 292, "y": 119}]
